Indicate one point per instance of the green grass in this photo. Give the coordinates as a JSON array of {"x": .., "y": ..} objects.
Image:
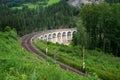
[
  {"x": 18, "y": 64},
  {"x": 34, "y": 5},
  {"x": 18, "y": 7},
  {"x": 105, "y": 65},
  {"x": 51, "y": 2},
  {"x": 31, "y": 6}
]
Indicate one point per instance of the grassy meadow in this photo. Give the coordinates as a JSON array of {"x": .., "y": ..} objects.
[
  {"x": 104, "y": 65},
  {"x": 34, "y": 5},
  {"x": 51, "y": 2}
]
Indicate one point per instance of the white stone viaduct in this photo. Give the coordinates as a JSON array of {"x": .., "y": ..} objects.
[{"x": 61, "y": 36}]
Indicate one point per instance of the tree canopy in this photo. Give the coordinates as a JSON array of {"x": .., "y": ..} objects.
[
  {"x": 102, "y": 23},
  {"x": 27, "y": 20}
]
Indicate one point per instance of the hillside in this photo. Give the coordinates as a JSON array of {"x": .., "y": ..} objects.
[
  {"x": 26, "y": 20},
  {"x": 106, "y": 66},
  {"x": 18, "y": 64},
  {"x": 32, "y": 4}
]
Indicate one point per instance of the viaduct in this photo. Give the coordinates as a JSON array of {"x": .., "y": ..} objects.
[{"x": 61, "y": 36}]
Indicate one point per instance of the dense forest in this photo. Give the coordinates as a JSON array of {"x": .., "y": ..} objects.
[
  {"x": 101, "y": 22},
  {"x": 13, "y": 3},
  {"x": 112, "y": 1},
  {"x": 27, "y": 20},
  {"x": 97, "y": 40},
  {"x": 99, "y": 27}
]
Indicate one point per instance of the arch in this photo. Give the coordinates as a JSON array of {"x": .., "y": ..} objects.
[
  {"x": 59, "y": 35},
  {"x": 63, "y": 34},
  {"x": 45, "y": 37},
  {"x": 41, "y": 37},
  {"x": 69, "y": 35},
  {"x": 64, "y": 37},
  {"x": 74, "y": 32},
  {"x": 59, "y": 38},
  {"x": 49, "y": 37},
  {"x": 54, "y": 35}
]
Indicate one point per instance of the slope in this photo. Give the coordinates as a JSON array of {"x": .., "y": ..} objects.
[
  {"x": 106, "y": 66},
  {"x": 18, "y": 64}
]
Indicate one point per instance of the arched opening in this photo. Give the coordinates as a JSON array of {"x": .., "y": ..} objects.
[
  {"x": 69, "y": 36},
  {"x": 54, "y": 35},
  {"x": 64, "y": 37},
  {"x": 49, "y": 37},
  {"x": 41, "y": 37},
  {"x": 59, "y": 35},
  {"x": 45, "y": 37},
  {"x": 74, "y": 32},
  {"x": 63, "y": 34}
]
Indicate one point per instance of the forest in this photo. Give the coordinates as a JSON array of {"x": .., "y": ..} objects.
[
  {"x": 98, "y": 33},
  {"x": 101, "y": 22},
  {"x": 13, "y": 3},
  {"x": 112, "y": 1},
  {"x": 28, "y": 20},
  {"x": 99, "y": 27}
]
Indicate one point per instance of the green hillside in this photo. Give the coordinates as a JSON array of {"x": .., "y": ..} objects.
[
  {"x": 18, "y": 64},
  {"x": 105, "y": 65},
  {"x": 98, "y": 29},
  {"x": 33, "y": 5},
  {"x": 50, "y": 2}
]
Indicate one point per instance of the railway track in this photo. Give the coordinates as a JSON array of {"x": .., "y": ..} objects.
[{"x": 27, "y": 43}]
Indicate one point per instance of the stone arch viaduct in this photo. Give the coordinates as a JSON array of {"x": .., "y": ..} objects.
[{"x": 61, "y": 36}]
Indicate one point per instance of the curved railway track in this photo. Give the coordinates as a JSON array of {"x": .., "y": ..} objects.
[{"x": 27, "y": 43}]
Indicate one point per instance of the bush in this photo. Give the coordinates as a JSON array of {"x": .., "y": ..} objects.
[{"x": 8, "y": 28}]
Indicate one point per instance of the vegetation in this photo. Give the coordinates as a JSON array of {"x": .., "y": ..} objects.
[
  {"x": 98, "y": 31},
  {"x": 18, "y": 64},
  {"x": 37, "y": 4},
  {"x": 113, "y": 1},
  {"x": 102, "y": 26},
  {"x": 51, "y": 2},
  {"x": 28, "y": 20},
  {"x": 32, "y": 4},
  {"x": 105, "y": 65}
]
